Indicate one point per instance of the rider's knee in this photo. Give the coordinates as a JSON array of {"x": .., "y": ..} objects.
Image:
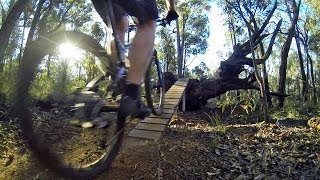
[
  {"x": 123, "y": 25},
  {"x": 149, "y": 25}
]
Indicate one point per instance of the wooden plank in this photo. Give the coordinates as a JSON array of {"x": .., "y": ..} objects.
[
  {"x": 155, "y": 121},
  {"x": 163, "y": 116},
  {"x": 172, "y": 100},
  {"x": 145, "y": 134},
  {"x": 168, "y": 111},
  {"x": 181, "y": 88},
  {"x": 182, "y": 82},
  {"x": 174, "y": 91},
  {"x": 175, "y": 103},
  {"x": 169, "y": 106},
  {"x": 95, "y": 80},
  {"x": 172, "y": 96},
  {"x": 170, "y": 103},
  {"x": 178, "y": 87},
  {"x": 151, "y": 127}
]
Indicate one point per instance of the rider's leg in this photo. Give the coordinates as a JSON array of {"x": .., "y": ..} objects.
[
  {"x": 122, "y": 27},
  {"x": 140, "y": 52},
  {"x": 139, "y": 56}
]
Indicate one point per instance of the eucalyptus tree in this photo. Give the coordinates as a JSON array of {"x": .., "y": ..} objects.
[
  {"x": 8, "y": 26},
  {"x": 242, "y": 14},
  {"x": 310, "y": 35},
  {"x": 303, "y": 33},
  {"x": 251, "y": 14},
  {"x": 201, "y": 70},
  {"x": 192, "y": 30},
  {"x": 167, "y": 50},
  {"x": 294, "y": 9}
]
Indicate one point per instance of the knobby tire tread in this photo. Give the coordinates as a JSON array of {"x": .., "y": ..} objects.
[{"x": 33, "y": 56}]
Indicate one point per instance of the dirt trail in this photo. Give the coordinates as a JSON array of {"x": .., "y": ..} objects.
[{"x": 193, "y": 149}]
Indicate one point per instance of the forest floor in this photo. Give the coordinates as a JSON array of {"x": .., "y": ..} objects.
[{"x": 193, "y": 148}]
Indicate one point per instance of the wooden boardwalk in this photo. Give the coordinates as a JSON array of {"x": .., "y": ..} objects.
[{"x": 153, "y": 126}]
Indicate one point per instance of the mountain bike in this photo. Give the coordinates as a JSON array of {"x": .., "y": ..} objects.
[{"x": 50, "y": 129}]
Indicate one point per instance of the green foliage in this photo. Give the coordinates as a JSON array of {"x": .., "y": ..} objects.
[
  {"x": 201, "y": 71},
  {"x": 43, "y": 86},
  {"x": 7, "y": 81},
  {"x": 244, "y": 100},
  {"x": 166, "y": 50},
  {"x": 97, "y": 31},
  {"x": 194, "y": 25},
  {"x": 297, "y": 109},
  {"x": 62, "y": 78}
]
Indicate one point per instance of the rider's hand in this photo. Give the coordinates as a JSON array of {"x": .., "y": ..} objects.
[{"x": 172, "y": 15}]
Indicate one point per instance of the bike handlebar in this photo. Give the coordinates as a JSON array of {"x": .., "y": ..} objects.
[{"x": 160, "y": 22}]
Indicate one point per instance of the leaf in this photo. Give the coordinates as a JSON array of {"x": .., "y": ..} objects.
[
  {"x": 259, "y": 177},
  {"x": 217, "y": 152},
  {"x": 9, "y": 160}
]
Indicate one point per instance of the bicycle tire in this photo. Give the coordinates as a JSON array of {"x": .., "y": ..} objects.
[
  {"x": 155, "y": 87},
  {"x": 23, "y": 107}
]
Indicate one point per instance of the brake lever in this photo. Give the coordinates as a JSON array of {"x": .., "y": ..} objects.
[{"x": 163, "y": 22}]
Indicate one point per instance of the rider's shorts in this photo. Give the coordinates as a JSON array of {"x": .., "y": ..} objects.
[{"x": 144, "y": 10}]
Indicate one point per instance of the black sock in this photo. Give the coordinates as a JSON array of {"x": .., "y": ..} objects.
[{"x": 131, "y": 90}]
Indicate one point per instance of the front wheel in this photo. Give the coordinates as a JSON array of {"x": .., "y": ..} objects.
[
  {"x": 47, "y": 111},
  {"x": 154, "y": 86}
]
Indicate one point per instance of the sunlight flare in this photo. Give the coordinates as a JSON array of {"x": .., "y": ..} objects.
[{"x": 70, "y": 52}]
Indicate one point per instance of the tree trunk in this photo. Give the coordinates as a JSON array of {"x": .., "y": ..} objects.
[
  {"x": 63, "y": 76},
  {"x": 260, "y": 80},
  {"x": 266, "y": 84},
  {"x": 7, "y": 27},
  {"x": 25, "y": 19},
  {"x": 265, "y": 77},
  {"x": 308, "y": 67},
  {"x": 285, "y": 51},
  {"x": 35, "y": 20},
  {"x": 33, "y": 25},
  {"x": 303, "y": 74},
  {"x": 179, "y": 49},
  {"x": 48, "y": 66},
  {"x": 314, "y": 90}
]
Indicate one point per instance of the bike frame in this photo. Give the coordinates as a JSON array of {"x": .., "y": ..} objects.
[{"x": 106, "y": 12}]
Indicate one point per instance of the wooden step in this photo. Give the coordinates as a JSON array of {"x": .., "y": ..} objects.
[{"x": 154, "y": 126}]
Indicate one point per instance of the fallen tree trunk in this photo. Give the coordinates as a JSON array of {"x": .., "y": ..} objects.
[{"x": 199, "y": 92}]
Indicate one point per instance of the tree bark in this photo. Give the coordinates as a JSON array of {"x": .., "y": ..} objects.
[
  {"x": 22, "y": 39},
  {"x": 179, "y": 49},
  {"x": 303, "y": 73},
  {"x": 260, "y": 80},
  {"x": 314, "y": 90},
  {"x": 285, "y": 51},
  {"x": 7, "y": 27},
  {"x": 35, "y": 21}
]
